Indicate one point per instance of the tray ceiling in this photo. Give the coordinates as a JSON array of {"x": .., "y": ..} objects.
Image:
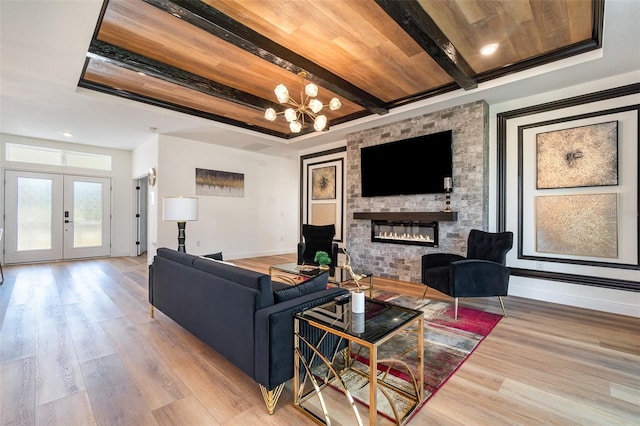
[{"x": 221, "y": 60}]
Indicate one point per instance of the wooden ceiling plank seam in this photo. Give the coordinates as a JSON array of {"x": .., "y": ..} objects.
[
  {"x": 103, "y": 51},
  {"x": 593, "y": 43},
  {"x": 421, "y": 27},
  {"x": 216, "y": 23}
]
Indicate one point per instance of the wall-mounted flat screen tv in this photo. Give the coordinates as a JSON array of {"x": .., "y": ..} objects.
[{"x": 410, "y": 166}]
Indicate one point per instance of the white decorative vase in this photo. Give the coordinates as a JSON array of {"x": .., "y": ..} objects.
[
  {"x": 357, "y": 302},
  {"x": 357, "y": 322}
]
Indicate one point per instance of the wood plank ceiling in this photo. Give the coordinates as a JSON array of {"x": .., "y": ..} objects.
[{"x": 221, "y": 59}]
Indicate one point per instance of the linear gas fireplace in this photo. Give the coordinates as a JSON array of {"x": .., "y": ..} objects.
[
  {"x": 412, "y": 233},
  {"x": 412, "y": 228}
]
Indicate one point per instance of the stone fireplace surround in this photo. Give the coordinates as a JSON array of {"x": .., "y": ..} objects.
[{"x": 469, "y": 198}]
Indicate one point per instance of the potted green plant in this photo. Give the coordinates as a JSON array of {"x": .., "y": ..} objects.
[{"x": 323, "y": 259}]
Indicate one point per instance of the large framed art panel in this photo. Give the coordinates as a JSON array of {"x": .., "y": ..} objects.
[
  {"x": 322, "y": 189},
  {"x": 568, "y": 188}
]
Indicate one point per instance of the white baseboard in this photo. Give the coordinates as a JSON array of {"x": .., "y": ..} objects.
[
  {"x": 582, "y": 296},
  {"x": 243, "y": 255}
]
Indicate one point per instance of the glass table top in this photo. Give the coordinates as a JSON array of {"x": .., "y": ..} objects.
[
  {"x": 336, "y": 274},
  {"x": 378, "y": 320}
]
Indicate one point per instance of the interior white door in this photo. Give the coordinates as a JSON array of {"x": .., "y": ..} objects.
[
  {"x": 55, "y": 217},
  {"x": 141, "y": 215}
]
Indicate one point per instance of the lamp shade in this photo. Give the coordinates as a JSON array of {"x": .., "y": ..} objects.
[{"x": 180, "y": 209}]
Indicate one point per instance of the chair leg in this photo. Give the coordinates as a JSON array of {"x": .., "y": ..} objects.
[
  {"x": 504, "y": 313},
  {"x": 271, "y": 396},
  {"x": 425, "y": 291},
  {"x": 455, "y": 312}
]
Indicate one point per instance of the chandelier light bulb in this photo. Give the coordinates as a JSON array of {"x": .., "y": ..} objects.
[
  {"x": 311, "y": 90},
  {"x": 320, "y": 123},
  {"x": 290, "y": 115},
  {"x": 315, "y": 105},
  {"x": 270, "y": 114},
  {"x": 295, "y": 126},
  {"x": 282, "y": 94},
  {"x": 335, "y": 104}
]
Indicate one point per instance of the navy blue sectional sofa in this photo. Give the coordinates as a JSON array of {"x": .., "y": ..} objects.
[{"x": 241, "y": 314}]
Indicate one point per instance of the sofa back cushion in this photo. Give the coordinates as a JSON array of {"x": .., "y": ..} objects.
[
  {"x": 244, "y": 277},
  {"x": 311, "y": 286},
  {"x": 176, "y": 256}
]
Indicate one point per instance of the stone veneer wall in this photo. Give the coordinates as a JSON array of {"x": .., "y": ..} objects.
[{"x": 469, "y": 198}]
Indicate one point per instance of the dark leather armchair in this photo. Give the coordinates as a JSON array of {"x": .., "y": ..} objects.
[
  {"x": 317, "y": 238},
  {"x": 481, "y": 274}
]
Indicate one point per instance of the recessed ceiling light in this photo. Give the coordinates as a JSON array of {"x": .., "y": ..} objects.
[
  {"x": 489, "y": 49},
  {"x": 67, "y": 134}
]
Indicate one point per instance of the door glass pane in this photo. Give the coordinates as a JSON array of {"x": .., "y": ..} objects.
[
  {"x": 87, "y": 214},
  {"x": 34, "y": 213}
]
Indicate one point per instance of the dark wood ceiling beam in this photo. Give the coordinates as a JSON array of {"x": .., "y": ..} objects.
[
  {"x": 105, "y": 52},
  {"x": 419, "y": 25},
  {"x": 91, "y": 85},
  {"x": 216, "y": 23}
]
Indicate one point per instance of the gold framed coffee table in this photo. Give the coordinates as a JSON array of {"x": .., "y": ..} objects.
[
  {"x": 328, "y": 357},
  {"x": 295, "y": 274}
]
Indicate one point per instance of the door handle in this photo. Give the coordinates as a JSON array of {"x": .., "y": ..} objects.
[{"x": 67, "y": 221}]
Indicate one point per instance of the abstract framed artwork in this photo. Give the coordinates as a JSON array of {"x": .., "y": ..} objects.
[
  {"x": 323, "y": 183},
  {"x": 323, "y": 214},
  {"x": 578, "y": 225},
  {"x": 219, "y": 183},
  {"x": 322, "y": 189},
  {"x": 581, "y": 229},
  {"x": 578, "y": 156}
]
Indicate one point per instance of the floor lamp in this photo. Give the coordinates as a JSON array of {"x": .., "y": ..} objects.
[{"x": 180, "y": 209}]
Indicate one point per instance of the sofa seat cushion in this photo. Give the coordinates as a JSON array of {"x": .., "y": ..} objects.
[{"x": 292, "y": 291}]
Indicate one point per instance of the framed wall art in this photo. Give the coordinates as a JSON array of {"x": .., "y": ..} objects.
[
  {"x": 573, "y": 220},
  {"x": 577, "y": 225},
  {"x": 223, "y": 184},
  {"x": 323, "y": 183},
  {"x": 322, "y": 189},
  {"x": 578, "y": 156}
]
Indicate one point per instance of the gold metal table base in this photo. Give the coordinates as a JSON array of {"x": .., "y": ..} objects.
[{"x": 337, "y": 370}]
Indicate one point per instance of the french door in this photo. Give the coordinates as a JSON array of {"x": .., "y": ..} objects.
[{"x": 55, "y": 217}]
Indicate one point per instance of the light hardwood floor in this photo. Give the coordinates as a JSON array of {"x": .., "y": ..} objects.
[{"x": 77, "y": 347}]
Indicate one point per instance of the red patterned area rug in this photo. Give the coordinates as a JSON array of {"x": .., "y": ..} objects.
[{"x": 447, "y": 344}]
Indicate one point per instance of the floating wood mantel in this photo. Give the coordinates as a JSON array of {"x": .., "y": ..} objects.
[{"x": 408, "y": 216}]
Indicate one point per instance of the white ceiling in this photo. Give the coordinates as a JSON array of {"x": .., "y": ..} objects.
[{"x": 44, "y": 43}]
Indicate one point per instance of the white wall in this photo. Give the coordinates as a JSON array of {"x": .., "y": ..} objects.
[
  {"x": 120, "y": 182},
  {"x": 263, "y": 222},
  {"x": 604, "y": 299}
]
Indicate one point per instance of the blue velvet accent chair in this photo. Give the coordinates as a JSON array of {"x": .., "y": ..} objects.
[
  {"x": 482, "y": 273},
  {"x": 317, "y": 238}
]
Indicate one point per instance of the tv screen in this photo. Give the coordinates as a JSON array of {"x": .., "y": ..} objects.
[{"x": 411, "y": 166}]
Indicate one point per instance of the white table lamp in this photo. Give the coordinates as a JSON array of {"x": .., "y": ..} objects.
[{"x": 180, "y": 209}]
